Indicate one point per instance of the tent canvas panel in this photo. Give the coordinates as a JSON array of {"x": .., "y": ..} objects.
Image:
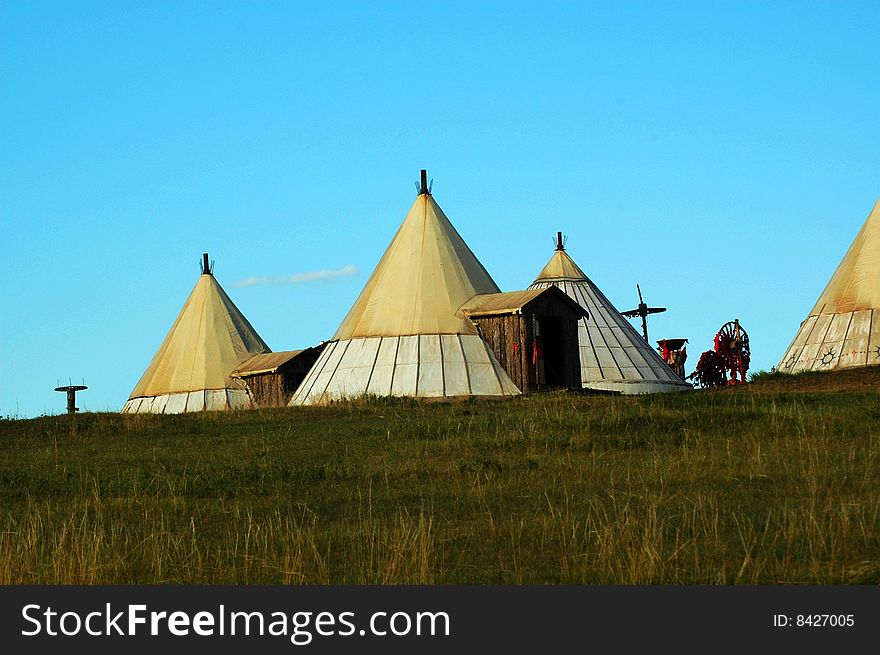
[
  {"x": 455, "y": 372},
  {"x": 383, "y": 370},
  {"x": 318, "y": 372},
  {"x": 820, "y": 328},
  {"x": 407, "y": 368},
  {"x": 608, "y": 362},
  {"x": 159, "y": 403},
  {"x": 482, "y": 368},
  {"x": 176, "y": 403},
  {"x": 838, "y": 328},
  {"x": 455, "y": 375},
  {"x": 810, "y": 353},
  {"x": 330, "y": 359},
  {"x": 408, "y": 351},
  {"x": 353, "y": 372},
  {"x": 874, "y": 340},
  {"x": 855, "y": 345},
  {"x": 809, "y": 356},
  {"x": 195, "y": 401},
  {"x": 404, "y": 381},
  {"x": 380, "y": 381},
  {"x": 588, "y": 355},
  {"x": 430, "y": 375},
  {"x": 215, "y": 400},
  {"x": 348, "y": 381},
  {"x": 795, "y": 351},
  {"x": 483, "y": 379}
]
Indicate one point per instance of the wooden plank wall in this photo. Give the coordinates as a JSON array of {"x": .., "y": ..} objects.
[
  {"x": 511, "y": 337},
  {"x": 276, "y": 389},
  {"x": 268, "y": 389}
]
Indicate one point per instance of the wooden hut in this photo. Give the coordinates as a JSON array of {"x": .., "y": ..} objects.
[
  {"x": 534, "y": 335},
  {"x": 271, "y": 378}
]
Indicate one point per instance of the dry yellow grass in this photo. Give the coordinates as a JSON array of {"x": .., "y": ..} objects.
[{"x": 717, "y": 488}]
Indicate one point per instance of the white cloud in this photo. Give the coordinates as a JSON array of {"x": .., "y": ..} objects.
[{"x": 298, "y": 278}]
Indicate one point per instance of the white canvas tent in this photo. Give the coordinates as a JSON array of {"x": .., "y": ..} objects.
[
  {"x": 191, "y": 370},
  {"x": 405, "y": 334},
  {"x": 614, "y": 357},
  {"x": 843, "y": 328}
]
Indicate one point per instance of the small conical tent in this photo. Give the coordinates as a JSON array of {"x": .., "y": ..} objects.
[
  {"x": 405, "y": 334},
  {"x": 843, "y": 328},
  {"x": 191, "y": 370},
  {"x": 614, "y": 357}
]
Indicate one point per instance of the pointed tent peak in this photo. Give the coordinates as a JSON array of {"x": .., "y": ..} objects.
[
  {"x": 207, "y": 266},
  {"x": 560, "y": 267},
  {"x": 855, "y": 285},
  {"x": 425, "y": 275}
]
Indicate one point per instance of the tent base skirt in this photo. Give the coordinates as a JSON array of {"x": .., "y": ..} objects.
[{"x": 190, "y": 401}]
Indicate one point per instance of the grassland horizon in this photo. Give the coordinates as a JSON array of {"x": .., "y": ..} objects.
[{"x": 774, "y": 482}]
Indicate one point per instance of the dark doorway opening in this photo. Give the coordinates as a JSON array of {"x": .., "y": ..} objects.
[{"x": 552, "y": 351}]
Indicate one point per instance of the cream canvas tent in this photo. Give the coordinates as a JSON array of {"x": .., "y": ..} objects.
[
  {"x": 405, "y": 334},
  {"x": 191, "y": 370},
  {"x": 843, "y": 328},
  {"x": 614, "y": 357}
]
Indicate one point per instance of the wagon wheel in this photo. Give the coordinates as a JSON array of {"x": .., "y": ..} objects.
[
  {"x": 735, "y": 337},
  {"x": 735, "y": 348}
]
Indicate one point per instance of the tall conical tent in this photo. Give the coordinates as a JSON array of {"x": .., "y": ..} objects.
[
  {"x": 191, "y": 370},
  {"x": 614, "y": 357},
  {"x": 843, "y": 328},
  {"x": 405, "y": 335}
]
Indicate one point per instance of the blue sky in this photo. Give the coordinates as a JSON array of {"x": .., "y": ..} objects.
[{"x": 723, "y": 155}]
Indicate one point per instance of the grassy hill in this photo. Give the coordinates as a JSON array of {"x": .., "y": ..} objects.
[{"x": 773, "y": 482}]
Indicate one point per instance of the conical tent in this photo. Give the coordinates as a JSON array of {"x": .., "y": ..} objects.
[
  {"x": 843, "y": 328},
  {"x": 405, "y": 335},
  {"x": 191, "y": 370},
  {"x": 614, "y": 357}
]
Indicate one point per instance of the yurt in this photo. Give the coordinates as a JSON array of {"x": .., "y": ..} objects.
[
  {"x": 405, "y": 334},
  {"x": 843, "y": 328},
  {"x": 613, "y": 356},
  {"x": 191, "y": 370}
]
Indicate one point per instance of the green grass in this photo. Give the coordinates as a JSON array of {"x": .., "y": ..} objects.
[{"x": 729, "y": 487}]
